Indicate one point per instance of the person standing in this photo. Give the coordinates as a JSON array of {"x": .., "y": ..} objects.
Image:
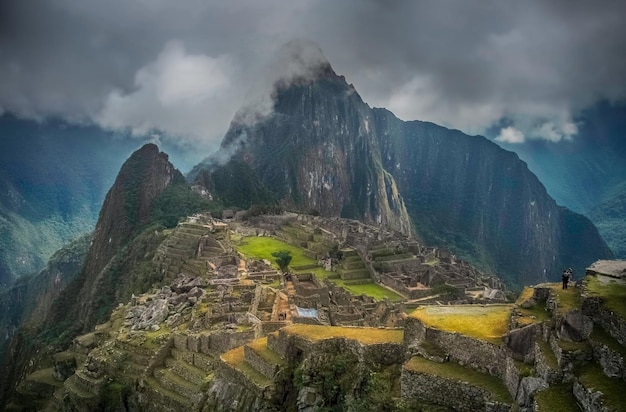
[{"x": 565, "y": 278}]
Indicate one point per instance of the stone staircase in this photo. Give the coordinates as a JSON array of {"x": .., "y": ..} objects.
[
  {"x": 178, "y": 253},
  {"x": 311, "y": 240},
  {"x": 178, "y": 383},
  {"x": 254, "y": 362},
  {"x": 352, "y": 268}
]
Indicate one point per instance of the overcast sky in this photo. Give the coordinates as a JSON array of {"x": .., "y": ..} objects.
[{"x": 184, "y": 67}]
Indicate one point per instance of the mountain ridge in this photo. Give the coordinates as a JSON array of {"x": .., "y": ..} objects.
[{"x": 322, "y": 148}]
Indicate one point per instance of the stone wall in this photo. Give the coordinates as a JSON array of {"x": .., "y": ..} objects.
[
  {"x": 477, "y": 354},
  {"x": 543, "y": 368},
  {"x": 261, "y": 365},
  {"x": 590, "y": 400},
  {"x": 454, "y": 394}
]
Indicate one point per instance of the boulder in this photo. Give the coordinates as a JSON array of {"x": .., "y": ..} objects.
[
  {"x": 527, "y": 388},
  {"x": 575, "y": 326}
]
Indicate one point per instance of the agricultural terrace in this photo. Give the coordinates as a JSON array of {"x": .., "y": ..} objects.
[
  {"x": 611, "y": 290},
  {"x": 566, "y": 299},
  {"x": 363, "y": 335},
  {"x": 533, "y": 314},
  {"x": 451, "y": 370},
  {"x": 489, "y": 322},
  {"x": 258, "y": 247}
]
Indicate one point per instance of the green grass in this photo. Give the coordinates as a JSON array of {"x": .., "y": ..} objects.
[
  {"x": 370, "y": 289},
  {"x": 263, "y": 247},
  {"x": 454, "y": 371},
  {"x": 592, "y": 377},
  {"x": 489, "y": 323},
  {"x": 613, "y": 294},
  {"x": 567, "y": 299},
  {"x": 557, "y": 398}
]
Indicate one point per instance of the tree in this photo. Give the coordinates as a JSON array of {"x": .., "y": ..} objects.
[{"x": 283, "y": 258}]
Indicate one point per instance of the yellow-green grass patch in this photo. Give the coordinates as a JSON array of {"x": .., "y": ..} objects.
[
  {"x": 489, "y": 322},
  {"x": 612, "y": 292},
  {"x": 557, "y": 398},
  {"x": 454, "y": 371},
  {"x": 592, "y": 377},
  {"x": 236, "y": 359},
  {"x": 370, "y": 289},
  {"x": 262, "y": 247},
  {"x": 259, "y": 346},
  {"x": 525, "y": 295},
  {"x": 363, "y": 335},
  {"x": 566, "y": 299}
]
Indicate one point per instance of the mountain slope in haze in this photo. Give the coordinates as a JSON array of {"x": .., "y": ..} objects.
[
  {"x": 322, "y": 148},
  {"x": 586, "y": 172},
  {"x": 26, "y": 303},
  {"x": 610, "y": 218},
  {"x": 53, "y": 178}
]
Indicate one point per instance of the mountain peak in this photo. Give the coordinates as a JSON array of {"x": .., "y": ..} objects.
[{"x": 298, "y": 60}]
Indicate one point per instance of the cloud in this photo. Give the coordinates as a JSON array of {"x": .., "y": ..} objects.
[
  {"x": 510, "y": 135},
  {"x": 179, "y": 95},
  {"x": 185, "y": 68},
  {"x": 296, "y": 60}
]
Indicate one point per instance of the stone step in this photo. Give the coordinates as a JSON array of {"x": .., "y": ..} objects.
[
  {"x": 175, "y": 253},
  {"x": 353, "y": 274},
  {"x": 199, "y": 360},
  {"x": 352, "y": 265},
  {"x": 235, "y": 359},
  {"x": 133, "y": 349},
  {"x": 188, "y": 372},
  {"x": 173, "y": 382},
  {"x": 263, "y": 359},
  {"x": 169, "y": 399},
  {"x": 75, "y": 388},
  {"x": 190, "y": 269},
  {"x": 186, "y": 234},
  {"x": 189, "y": 249},
  {"x": 192, "y": 229},
  {"x": 213, "y": 251},
  {"x": 87, "y": 383}
]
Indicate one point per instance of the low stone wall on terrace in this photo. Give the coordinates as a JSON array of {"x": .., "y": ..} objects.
[
  {"x": 475, "y": 353},
  {"x": 451, "y": 393}
]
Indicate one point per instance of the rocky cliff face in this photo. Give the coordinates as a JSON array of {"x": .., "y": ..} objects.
[{"x": 323, "y": 149}]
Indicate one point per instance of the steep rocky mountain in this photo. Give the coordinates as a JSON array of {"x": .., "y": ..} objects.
[
  {"x": 323, "y": 149},
  {"x": 148, "y": 193},
  {"x": 127, "y": 208}
]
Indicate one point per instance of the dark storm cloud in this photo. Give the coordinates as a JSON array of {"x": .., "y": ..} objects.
[{"x": 184, "y": 68}]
